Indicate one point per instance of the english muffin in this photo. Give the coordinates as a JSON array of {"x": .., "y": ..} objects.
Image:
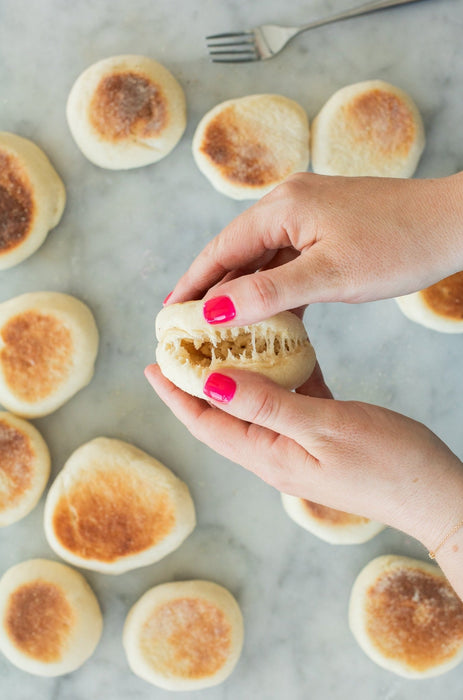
[
  {"x": 406, "y": 617},
  {"x": 247, "y": 146},
  {"x": 439, "y": 307},
  {"x": 331, "y": 525},
  {"x": 184, "y": 636},
  {"x": 189, "y": 348},
  {"x": 369, "y": 128},
  {"x": 24, "y": 467},
  {"x": 126, "y": 111},
  {"x": 50, "y": 620},
  {"x": 113, "y": 508},
  {"x": 48, "y": 346},
  {"x": 32, "y": 198}
]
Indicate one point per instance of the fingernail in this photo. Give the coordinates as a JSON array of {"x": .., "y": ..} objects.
[
  {"x": 167, "y": 299},
  {"x": 219, "y": 310},
  {"x": 219, "y": 387}
]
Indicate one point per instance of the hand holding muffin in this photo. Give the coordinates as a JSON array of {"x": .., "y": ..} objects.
[{"x": 317, "y": 238}]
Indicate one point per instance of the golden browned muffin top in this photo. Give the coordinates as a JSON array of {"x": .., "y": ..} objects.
[
  {"x": 16, "y": 464},
  {"x": 446, "y": 297},
  {"x": 128, "y": 104},
  {"x": 382, "y": 119},
  {"x": 38, "y": 620},
  {"x": 37, "y": 355},
  {"x": 17, "y": 208},
  {"x": 187, "y": 638},
  {"x": 414, "y": 617},
  {"x": 236, "y": 147},
  {"x": 110, "y": 513}
]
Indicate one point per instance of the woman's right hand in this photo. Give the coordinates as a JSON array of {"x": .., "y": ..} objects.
[
  {"x": 348, "y": 455},
  {"x": 317, "y": 239}
]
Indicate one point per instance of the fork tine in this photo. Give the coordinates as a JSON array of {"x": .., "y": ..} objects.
[
  {"x": 227, "y": 36},
  {"x": 219, "y": 45},
  {"x": 240, "y": 49},
  {"x": 235, "y": 60},
  {"x": 230, "y": 52}
]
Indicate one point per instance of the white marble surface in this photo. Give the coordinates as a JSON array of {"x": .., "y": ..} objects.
[{"x": 124, "y": 240}]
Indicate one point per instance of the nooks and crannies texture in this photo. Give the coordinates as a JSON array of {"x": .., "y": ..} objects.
[
  {"x": 189, "y": 348},
  {"x": 233, "y": 346}
]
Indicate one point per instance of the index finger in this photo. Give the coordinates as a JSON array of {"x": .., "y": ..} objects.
[{"x": 244, "y": 244}]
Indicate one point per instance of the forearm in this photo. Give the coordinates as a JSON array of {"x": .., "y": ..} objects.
[
  {"x": 412, "y": 237},
  {"x": 447, "y": 548},
  {"x": 450, "y": 560},
  {"x": 440, "y": 525},
  {"x": 444, "y": 211}
]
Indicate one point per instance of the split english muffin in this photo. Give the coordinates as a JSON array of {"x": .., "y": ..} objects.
[
  {"x": 189, "y": 348},
  {"x": 126, "y": 111},
  {"x": 24, "y": 468},
  {"x": 369, "y": 128},
  {"x": 50, "y": 620},
  {"x": 32, "y": 198},
  {"x": 331, "y": 525},
  {"x": 439, "y": 307},
  {"x": 184, "y": 636},
  {"x": 406, "y": 617},
  {"x": 247, "y": 146},
  {"x": 48, "y": 346},
  {"x": 114, "y": 508}
]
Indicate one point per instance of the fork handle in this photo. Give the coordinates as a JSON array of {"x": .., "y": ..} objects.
[{"x": 353, "y": 12}]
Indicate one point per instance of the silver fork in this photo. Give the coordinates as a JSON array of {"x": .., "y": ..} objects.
[{"x": 265, "y": 41}]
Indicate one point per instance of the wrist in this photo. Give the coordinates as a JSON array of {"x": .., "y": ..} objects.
[
  {"x": 443, "y": 535},
  {"x": 450, "y": 559},
  {"x": 440, "y": 522},
  {"x": 436, "y": 507}
]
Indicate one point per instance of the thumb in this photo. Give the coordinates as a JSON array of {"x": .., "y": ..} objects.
[
  {"x": 251, "y": 298},
  {"x": 255, "y": 399}
]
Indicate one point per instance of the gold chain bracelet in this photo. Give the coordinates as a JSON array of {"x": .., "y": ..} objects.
[{"x": 432, "y": 555}]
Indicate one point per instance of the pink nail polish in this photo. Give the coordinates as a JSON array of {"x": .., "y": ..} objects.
[
  {"x": 219, "y": 387},
  {"x": 219, "y": 310},
  {"x": 167, "y": 299}
]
